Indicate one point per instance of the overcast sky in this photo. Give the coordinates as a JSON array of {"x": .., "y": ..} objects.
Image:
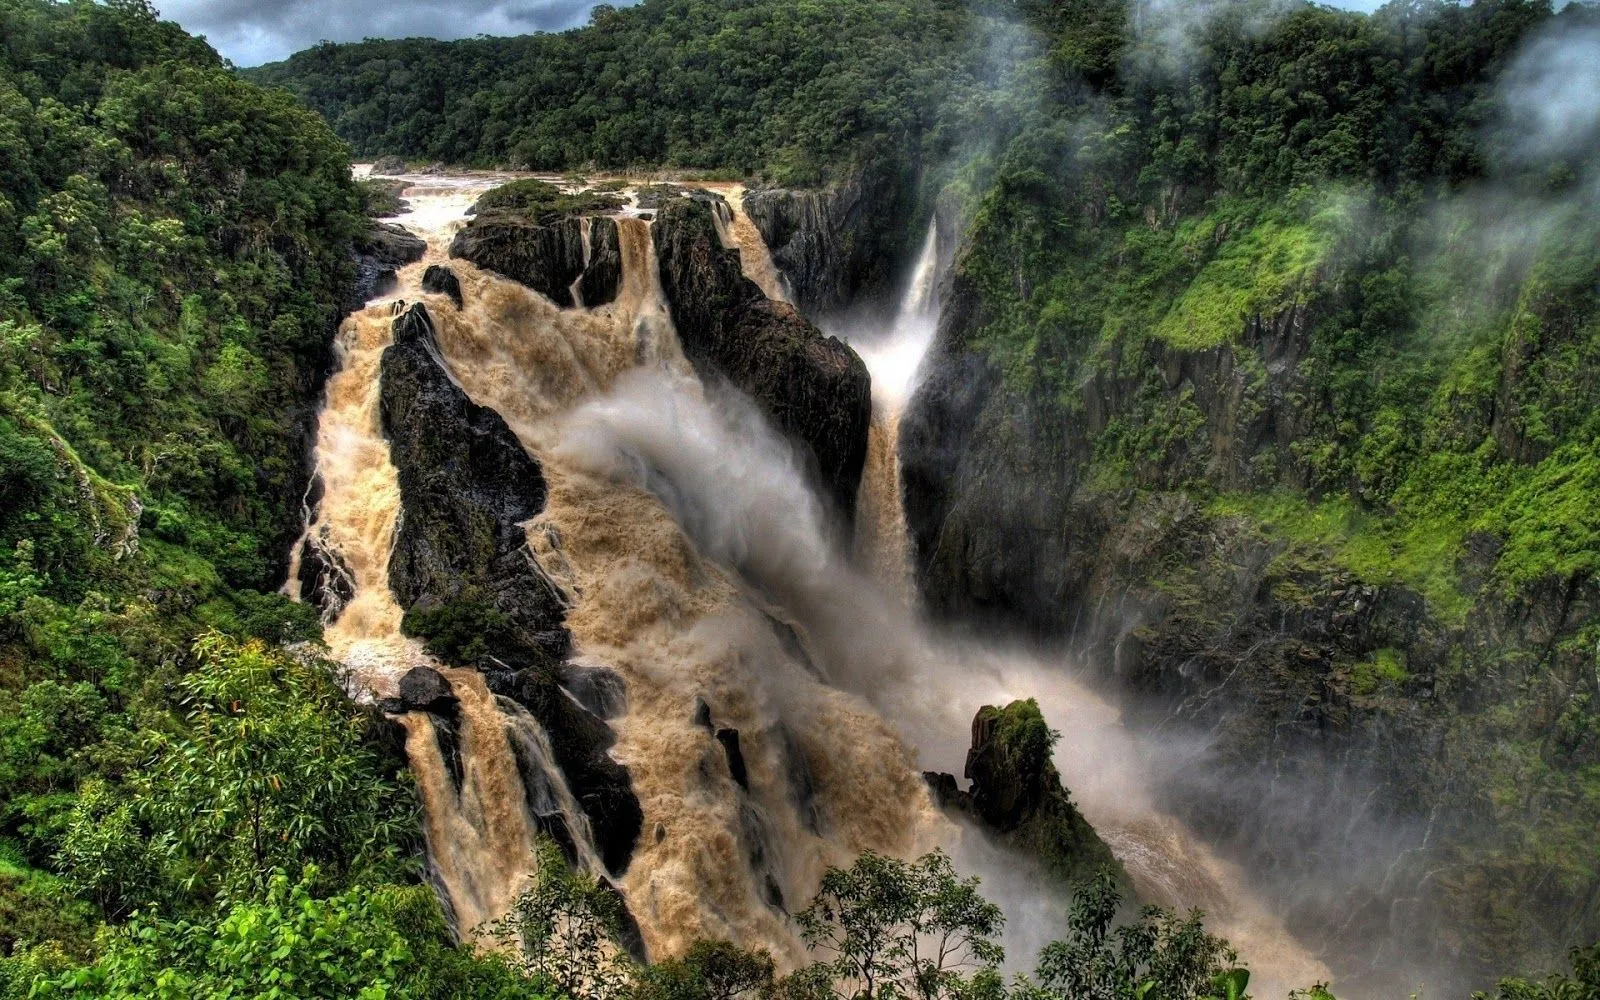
[{"x": 251, "y": 32}]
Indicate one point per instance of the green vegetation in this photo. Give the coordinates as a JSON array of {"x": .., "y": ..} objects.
[
  {"x": 187, "y": 808},
  {"x": 545, "y": 203},
  {"x": 802, "y": 91}
]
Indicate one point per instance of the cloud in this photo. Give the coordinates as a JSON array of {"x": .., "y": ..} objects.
[
  {"x": 1551, "y": 96},
  {"x": 251, "y": 32}
]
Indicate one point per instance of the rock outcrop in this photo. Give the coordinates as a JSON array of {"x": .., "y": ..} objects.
[
  {"x": 581, "y": 742},
  {"x": 440, "y": 280},
  {"x": 461, "y": 556},
  {"x": 388, "y": 166},
  {"x": 1017, "y": 794},
  {"x": 843, "y": 246},
  {"x": 547, "y": 255},
  {"x": 380, "y": 251},
  {"x": 813, "y": 387}
]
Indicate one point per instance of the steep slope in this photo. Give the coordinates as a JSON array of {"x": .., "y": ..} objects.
[{"x": 1300, "y": 464}]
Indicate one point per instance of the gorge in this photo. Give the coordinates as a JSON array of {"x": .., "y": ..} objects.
[
  {"x": 732, "y": 476},
  {"x": 710, "y": 591}
]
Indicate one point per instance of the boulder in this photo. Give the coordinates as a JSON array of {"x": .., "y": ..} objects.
[
  {"x": 388, "y": 166},
  {"x": 440, "y": 280},
  {"x": 545, "y": 251},
  {"x": 813, "y": 387},
  {"x": 425, "y": 689},
  {"x": 947, "y": 794}
]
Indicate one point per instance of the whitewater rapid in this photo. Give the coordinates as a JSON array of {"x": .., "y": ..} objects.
[{"x": 708, "y": 581}]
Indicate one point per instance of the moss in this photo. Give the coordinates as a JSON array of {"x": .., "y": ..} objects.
[
  {"x": 1022, "y": 732},
  {"x": 1387, "y": 667},
  {"x": 1268, "y": 267},
  {"x": 1336, "y": 532},
  {"x": 544, "y": 203}
]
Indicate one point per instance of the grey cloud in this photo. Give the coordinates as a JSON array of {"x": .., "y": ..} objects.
[{"x": 251, "y": 32}]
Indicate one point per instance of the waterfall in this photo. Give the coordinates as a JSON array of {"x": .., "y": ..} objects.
[
  {"x": 882, "y": 543},
  {"x": 702, "y": 571},
  {"x": 486, "y": 777}
]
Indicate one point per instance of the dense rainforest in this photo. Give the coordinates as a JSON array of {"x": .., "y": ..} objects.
[{"x": 1271, "y": 328}]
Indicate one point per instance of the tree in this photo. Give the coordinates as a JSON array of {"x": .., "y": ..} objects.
[
  {"x": 1583, "y": 984},
  {"x": 563, "y": 930},
  {"x": 1157, "y": 957},
  {"x": 902, "y": 929},
  {"x": 270, "y": 768},
  {"x": 712, "y": 970}
]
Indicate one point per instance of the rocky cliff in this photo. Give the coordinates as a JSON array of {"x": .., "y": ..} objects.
[
  {"x": 1166, "y": 501},
  {"x": 843, "y": 246},
  {"x": 813, "y": 387}
]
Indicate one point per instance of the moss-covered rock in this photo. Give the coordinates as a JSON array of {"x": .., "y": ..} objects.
[{"x": 1017, "y": 794}]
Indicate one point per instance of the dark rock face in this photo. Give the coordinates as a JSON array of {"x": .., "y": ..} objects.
[
  {"x": 602, "y": 278},
  {"x": 382, "y": 249},
  {"x": 425, "y": 689},
  {"x": 598, "y": 689},
  {"x": 440, "y": 280},
  {"x": 467, "y": 485},
  {"x": 813, "y": 387},
  {"x": 947, "y": 794},
  {"x": 547, "y": 257},
  {"x": 325, "y": 580},
  {"x": 729, "y": 738},
  {"x": 840, "y": 247}
]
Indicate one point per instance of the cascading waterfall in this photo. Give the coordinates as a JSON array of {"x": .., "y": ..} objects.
[
  {"x": 712, "y": 588},
  {"x": 825, "y": 777},
  {"x": 479, "y": 818}
]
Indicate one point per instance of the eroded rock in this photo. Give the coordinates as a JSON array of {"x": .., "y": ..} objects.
[{"x": 440, "y": 280}]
